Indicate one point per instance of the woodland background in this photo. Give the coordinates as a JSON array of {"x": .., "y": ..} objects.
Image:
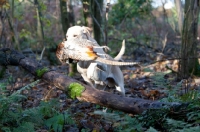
[{"x": 164, "y": 41}]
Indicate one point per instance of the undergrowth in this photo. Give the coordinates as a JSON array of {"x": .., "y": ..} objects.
[
  {"x": 185, "y": 118},
  {"x": 14, "y": 118},
  {"x": 47, "y": 116}
]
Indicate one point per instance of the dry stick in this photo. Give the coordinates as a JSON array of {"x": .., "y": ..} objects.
[
  {"x": 164, "y": 42},
  {"x": 42, "y": 53},
  {"x": 178, "y": 58},
  {"x": 132, "y": 43},
  {"x": 129, "y": 105}
]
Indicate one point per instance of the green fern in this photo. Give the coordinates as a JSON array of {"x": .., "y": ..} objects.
[
  {"x": 194, "y": 116},
  {"x": 121, "y": 122},
  {"x": 159, "y": 80},
  {"x": 25, "y": 127},
  {"x": 111, "y": 117},
  {"x": 13, "y": 118},
  {"x": 34, "y": 115},
  {"x": 26, "y": 87},
  {"x": 57, "y": 122},
  {"x": 190, "y": 129},
  {"x": 181, "y": 126},
  {"x": 190, "y": 96},
  {"x": 50, "y": 108},
  {"x": 175, "y": 124},
  {"x": 151, "y": 129},
  {"x": 130, "y": 125}
]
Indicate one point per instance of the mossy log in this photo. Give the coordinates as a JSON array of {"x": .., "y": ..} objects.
[{"x": 84, "y": 92}]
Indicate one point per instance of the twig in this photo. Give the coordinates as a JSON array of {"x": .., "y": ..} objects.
[
  {"x": 132, "y": 43},
  {"x": 141, "y": 26},
  {"x": 42, "y": 53},
  {"x": 178, "y": 58},
  {"x": 124, "y": 19},
  {"x": 164, "y": 42}
]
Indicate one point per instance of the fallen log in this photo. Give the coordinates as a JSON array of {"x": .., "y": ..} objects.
[{"x": 77, "y": 89}]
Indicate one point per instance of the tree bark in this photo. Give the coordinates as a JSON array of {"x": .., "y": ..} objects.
[
  {"x": 129, "y": 105},
  {"x": 40, "y": 30},
  {"x": 15, "y": 36},
  {"x": 179, "y": 11},
  {"x": 106, "y": 22},
  {"x": 70, "y": 13},
  {"x": 188, "y": 64},
  {"x": 67, "y": 19},
  {"x": 96, "y": 11},
  {"x": 64, "y": 16},
  {"x": 86, "y": 13}
]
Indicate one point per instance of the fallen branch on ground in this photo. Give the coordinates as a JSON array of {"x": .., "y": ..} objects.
[{"x": 72, "y": 87}]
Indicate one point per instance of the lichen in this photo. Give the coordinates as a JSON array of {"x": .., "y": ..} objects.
[
  {"x": 75, "y": 90},
  {"x": 40, "y": 72}
]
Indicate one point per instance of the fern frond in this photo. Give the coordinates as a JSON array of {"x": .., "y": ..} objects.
[
  {"x": 26, "y": 87},
  {"x": 25, "y": 127}
]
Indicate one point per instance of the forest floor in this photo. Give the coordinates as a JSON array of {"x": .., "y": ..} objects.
[{"x": 152, "y": 82}]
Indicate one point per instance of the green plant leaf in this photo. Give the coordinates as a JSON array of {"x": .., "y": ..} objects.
[
  {"x": 56, "y": 122},
  {"x": 151, "y": 129}
]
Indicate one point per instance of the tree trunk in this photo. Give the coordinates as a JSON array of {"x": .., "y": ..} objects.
[
  {"x": 15, "y": 38},
  {"x": 189, "y": 63},
  {"x": 106, "y": 22},
  {"x": 67, "y": 19},
  {"x": 40, "y": 31},
  {"x": 179, "y": 11},
  {"x": 96, "y": 10},
  {"x": 64, "y": 16},
  {"x": 70, "y": 13},
  {"x": 88, "y": 94},
  {"x": 86, "y": 13}
]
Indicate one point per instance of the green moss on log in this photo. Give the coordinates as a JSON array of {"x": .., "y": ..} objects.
[
  {"x": 75, "y": 90},
  {"x": 40, "y": 72}
]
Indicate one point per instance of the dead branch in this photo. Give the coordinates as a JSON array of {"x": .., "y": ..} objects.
[{"x": 129, "y": 105}]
